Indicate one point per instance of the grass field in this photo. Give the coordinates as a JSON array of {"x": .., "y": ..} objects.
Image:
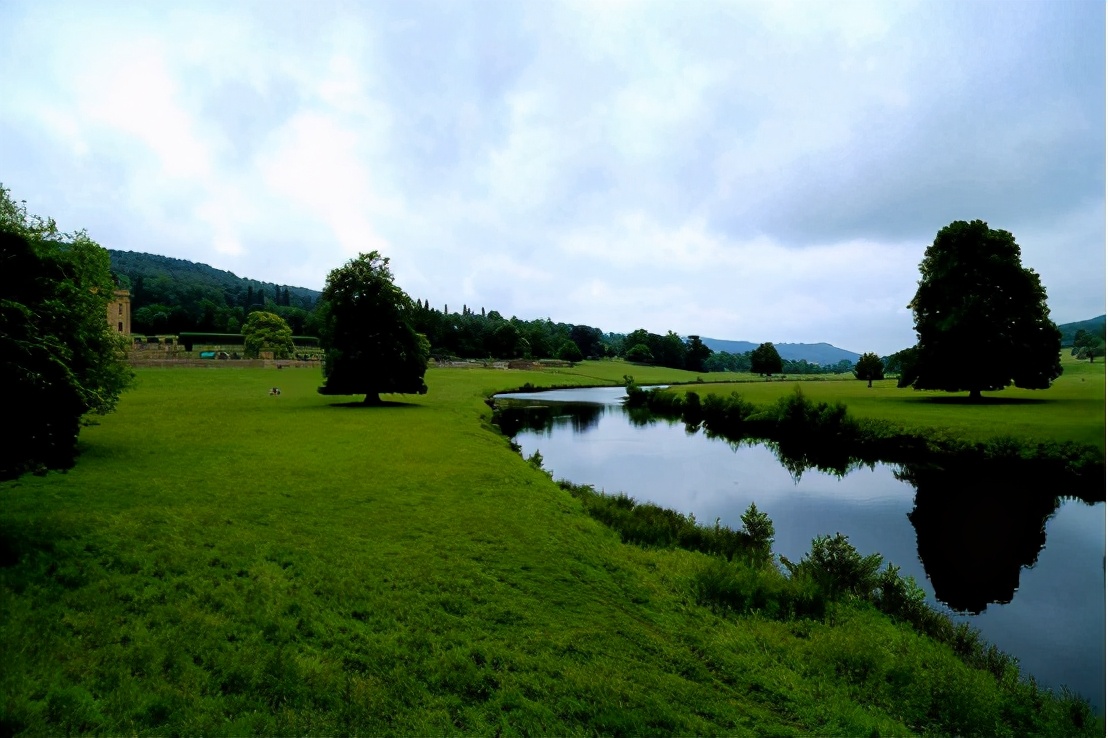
[
  {"x": 1071, "y": 410},
  {"x": 223, "y": 561}
]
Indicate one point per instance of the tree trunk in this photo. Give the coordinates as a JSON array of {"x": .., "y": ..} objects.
[
  {"x": 975, "y": 395},
  {"x": 372, "y": 398}
]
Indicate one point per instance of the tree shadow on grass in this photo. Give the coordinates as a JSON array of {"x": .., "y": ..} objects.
[
  {"x": 963, "y": 400},
  {"x": 382, "y": 405}
]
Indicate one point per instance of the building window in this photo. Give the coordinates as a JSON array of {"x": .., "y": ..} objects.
[
  {"x": 121, "y": 326},
  {"x": 121, "y": 308}
]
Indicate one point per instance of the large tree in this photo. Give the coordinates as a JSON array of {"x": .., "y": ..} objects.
[
  {"x": 765, "y": 360},
  {"x": 266, "y": 331},
  {"x": 869, "y": 367},
  {"x": 59, "y": 359},
  {"x": 696, "y": 353},
  {"x": 369, "y": 344},
  {"x": 981, "y": 317}
]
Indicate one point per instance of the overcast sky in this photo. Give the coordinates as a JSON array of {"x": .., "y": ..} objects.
[{"x": 742, "y": 170}]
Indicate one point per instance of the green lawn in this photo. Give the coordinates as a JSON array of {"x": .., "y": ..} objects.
[
  {"x": 1071, "y": 410},
  {"x": 223, "y": 561}
]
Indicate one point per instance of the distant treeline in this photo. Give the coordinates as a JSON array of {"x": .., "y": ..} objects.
[{"x": 173, "y": 296}]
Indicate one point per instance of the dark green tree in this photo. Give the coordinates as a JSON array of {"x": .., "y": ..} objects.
[
  {"x": 266, "y": 331},
  {"x": 1087, "y": 345},
  {"x": 570, "y": 352},
  {"x": 366, "y": 334},
  {"x": 765, "y": 360},
  {"x": 59, "y": 359},
  {"x": 696, "y": 353},
  {"x": 981, "y": 317},
  {"x": 869, "y": 367},
  {"x": 639, "y": 354}
]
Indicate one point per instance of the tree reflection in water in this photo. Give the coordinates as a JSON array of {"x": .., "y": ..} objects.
[{"x": 977, "y": 524}]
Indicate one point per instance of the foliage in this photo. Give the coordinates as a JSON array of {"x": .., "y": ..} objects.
[
  {"x": 569, "y": 351},
  {"x": 59, "y": 359},
  {"x": 837, "y": 568},
  {"x": 1070, "y": 331},
  {"x": 696, "y": 354},
  {"x": 369, "y": 343},
  {"x": 869, "y": 367},
  {"x": 759, "y": 527},
  {"x": 765, "y": 360},
  {"x": 975, "y": 299},
  {"x": 267, "y": 332},
  {"x": 170, "y": 296},
  {"x": 639, "y": 354}
]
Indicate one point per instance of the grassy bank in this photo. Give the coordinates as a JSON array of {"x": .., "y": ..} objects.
[
  {"x": 225, "y": 561},
  {"x": 1072, "y": 410}
]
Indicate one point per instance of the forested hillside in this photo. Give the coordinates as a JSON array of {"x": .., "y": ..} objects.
[
  {"x": 1094, "y": 326},
  {"x": 174, "y": 295}
]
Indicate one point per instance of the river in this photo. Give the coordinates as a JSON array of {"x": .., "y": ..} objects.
[{"x": 977, "y": 545}]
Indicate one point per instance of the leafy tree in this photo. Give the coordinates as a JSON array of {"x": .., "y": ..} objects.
[
  {"x": 267, "y": 332},
  {"x": 696, "y": 353},
  {"x": 902, "y": 363},
  {"x": 639, "y": 354},
  {"x": 869, "y": 367},
  {"x": 368, "y": 341},
  {"x": 1087, "y": 345},
  {"x": 981, "y": 317},
  {"x": 505, "y": 341},
  {"x": 59, "y": 359},
  {"x": 759, "y": 527},
  {"x": 765, "y": 360},
  {"x": 570, "y": 352}
]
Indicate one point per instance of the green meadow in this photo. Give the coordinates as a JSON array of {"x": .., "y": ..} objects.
[
  {"x": 1071, "y": 410},
  {"x": 223, "y": 561}
]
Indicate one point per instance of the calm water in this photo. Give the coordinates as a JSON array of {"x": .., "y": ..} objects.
[{"x": 1028, "y": 572}]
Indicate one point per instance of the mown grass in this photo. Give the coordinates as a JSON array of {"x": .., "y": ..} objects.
[
  {"x": 223, "y": 561},
  {"x": 1071, "y": 410}
]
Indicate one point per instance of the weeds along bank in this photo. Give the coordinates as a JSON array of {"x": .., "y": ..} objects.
[{"x": 223, "y": 560}]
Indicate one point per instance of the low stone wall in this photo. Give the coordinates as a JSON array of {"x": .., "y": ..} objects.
[{"x": 192, "y": 362}]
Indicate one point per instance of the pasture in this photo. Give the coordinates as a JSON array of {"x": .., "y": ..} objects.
[{"x": 226, "y": 561}]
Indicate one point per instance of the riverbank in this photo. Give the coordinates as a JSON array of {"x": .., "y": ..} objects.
[{"x": 226, "y": 561}]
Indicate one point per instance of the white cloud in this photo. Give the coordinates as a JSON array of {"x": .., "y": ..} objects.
[{"x": 739, "y": 170}]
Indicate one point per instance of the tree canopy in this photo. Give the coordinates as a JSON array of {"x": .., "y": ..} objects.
[
  {"x": 765, "y": 360},
  {"x": 981, "y": 318},
  {"x": 267, "y": 332},
  {"x": 59, "y": 358},
  {"x": 369, "y": 344},
  {"x": 869, "y": 368}
]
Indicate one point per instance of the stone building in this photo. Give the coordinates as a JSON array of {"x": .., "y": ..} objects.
[{"x": 119, "y": 312}]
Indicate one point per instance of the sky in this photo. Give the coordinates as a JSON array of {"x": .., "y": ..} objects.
[{"x": 759, "y": 171}]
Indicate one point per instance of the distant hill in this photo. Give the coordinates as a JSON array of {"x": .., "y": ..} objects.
[
  {"x": 814, "y": 353},
  {"x": 170, "y": 296},
  {"x": 1092, "y": 325},
  {"x": 138, "y": 266}
]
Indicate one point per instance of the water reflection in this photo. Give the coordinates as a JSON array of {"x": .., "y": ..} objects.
[
  {"x": 974, "y": 536},
  {"x": 977, "y": 527}
]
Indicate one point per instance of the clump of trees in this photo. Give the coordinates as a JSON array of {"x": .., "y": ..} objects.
[
  {"x": 59, "y": 359},
  {"x": 1087, "y": 345},
  {"x": 369, "y": 344},
  {"x": 980, "y": 316}
]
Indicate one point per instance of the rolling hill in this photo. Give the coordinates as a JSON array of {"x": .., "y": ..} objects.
[{"x": 814, "y": 353}]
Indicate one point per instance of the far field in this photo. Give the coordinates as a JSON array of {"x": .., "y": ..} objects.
[
  {"x": 1072, "y": 410},
  {"x": 223, "y": 561}
]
